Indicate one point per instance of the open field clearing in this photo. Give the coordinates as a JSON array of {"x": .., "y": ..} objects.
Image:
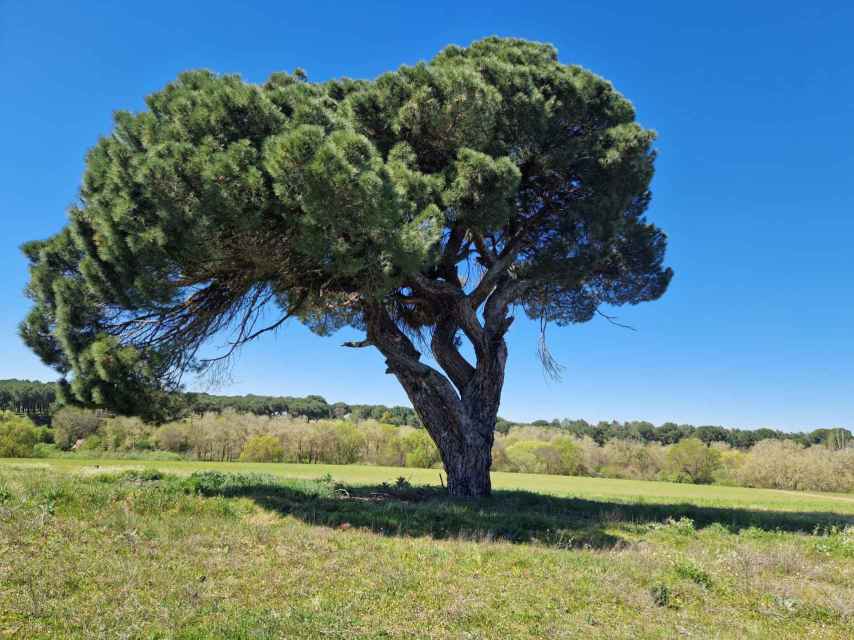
[{"x": 130, "y": 549}]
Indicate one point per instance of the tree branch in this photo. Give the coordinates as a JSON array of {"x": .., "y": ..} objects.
[
  {"x": 358, "y": 344},
  {"x": 448, "y": 356},
  {"x": 495, "y": 271},
  {"x": 488, "y": 256}
]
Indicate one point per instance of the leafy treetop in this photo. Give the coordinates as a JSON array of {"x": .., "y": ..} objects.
[{"x": 488, "y": 177}]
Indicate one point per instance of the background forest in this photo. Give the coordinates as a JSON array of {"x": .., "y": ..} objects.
[{"x": 311, "y": 430}]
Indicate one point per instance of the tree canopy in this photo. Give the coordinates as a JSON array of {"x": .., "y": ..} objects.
[{"x": 430, "y": 200}]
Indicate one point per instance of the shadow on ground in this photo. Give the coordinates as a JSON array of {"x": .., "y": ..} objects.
[{"x": 514, "y": 516}]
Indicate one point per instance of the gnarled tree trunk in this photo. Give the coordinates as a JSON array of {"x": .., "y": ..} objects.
[
  {"x": 468, "y": 463},
  {"x": 458, "y": 409}
]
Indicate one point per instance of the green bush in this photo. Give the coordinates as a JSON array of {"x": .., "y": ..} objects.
[
  {"x": 689, "y": 570},
  {"x": 91, "y": 443},
  {"x": 71, "y": 424},
  {"x": 264, "y": 448},
  {"x": 558, "y": 456},
  {"x": 18, "y": 436},
  {"x": 522, "y": 456},
  {"x": 44, "y": 434},
  {"x": 45, "y": 450},
  {"x": 692, "y": 461},
  {"x": 420, "y": 450},
  {"x": 661, "y": 595}
]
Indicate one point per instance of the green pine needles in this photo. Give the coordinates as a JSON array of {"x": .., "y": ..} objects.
[{"x": 431, "y": 200}]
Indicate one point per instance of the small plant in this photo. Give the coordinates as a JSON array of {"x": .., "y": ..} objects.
[
  {"x": 401, "y": 488},
  {"x": 142, "y": 475},
  {"x": 835, "y": 541},
  {"x": 690, "y": 571},
  {"x": 210, "y": 482},
  {"x": 661, "y": 595},
  {"x": 683, "y": 526},
  {"x": 53, "y": 493}
]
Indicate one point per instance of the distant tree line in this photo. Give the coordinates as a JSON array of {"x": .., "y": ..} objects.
[
  {"x": 312, "y": 407},
  {"x": 28, "y": 397},
  {"x": 232, "y": 436},
  {"x": 41, "y": 399},
  {"x": 671, "y": 433}
]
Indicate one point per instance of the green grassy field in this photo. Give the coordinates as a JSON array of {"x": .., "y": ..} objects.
[{"x": 113, "y": 549}]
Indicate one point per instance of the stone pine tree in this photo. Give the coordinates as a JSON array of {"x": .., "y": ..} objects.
[{"x": 423, "y": 207}]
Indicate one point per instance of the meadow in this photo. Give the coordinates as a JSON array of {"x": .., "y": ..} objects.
[{"x": 176, "y": 549}]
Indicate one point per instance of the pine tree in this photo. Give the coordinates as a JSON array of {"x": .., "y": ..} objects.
[{"x": 421, "y": 207}]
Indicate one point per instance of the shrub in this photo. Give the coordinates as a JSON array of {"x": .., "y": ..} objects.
[
  {"x": 632, "y": 460},
  {"x": 45, "y": 450},
  {"x": 125, "y": 434},
  {"x": 693, "y": 461},
  {"x": 18, "y": 436},
  {"x": 44, "y": 434},
  {"x": 71, "y": 424},
  {"x": 570, "y": 461},
  {"x": 420, "y": 449},
  {"x": 776, "y": 464},
  {"x": 91, "y": 443},
  {"x": 690, "y": 571},
  {"x": 522, "y": 456},
  {"x": 661, "y": 595},
  {"x": 263, "y": 448}
]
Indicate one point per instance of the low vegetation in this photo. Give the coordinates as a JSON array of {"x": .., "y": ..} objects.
[
  {"x": 96, "y": 549},
  {"x": 231, "y": 436}
]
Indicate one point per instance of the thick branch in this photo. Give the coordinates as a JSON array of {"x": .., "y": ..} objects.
[
  {"x": 385, "y": 335},
  {"x": 495, "y": 311},
  {"x": 487, "y": 256},
  {"x": 448, "y": 356},
  {"x": 358, "y": 344},
  {"x": 495, "y": 272},
  {"x": 431, "y": 393}
]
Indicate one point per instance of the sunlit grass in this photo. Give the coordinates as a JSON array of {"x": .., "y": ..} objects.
[
  {"x": 91, "y": 550},
  {"x": 558, "y": 485}
]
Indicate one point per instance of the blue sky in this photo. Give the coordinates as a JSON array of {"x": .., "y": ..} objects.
[{"x": 754, "y": 105}]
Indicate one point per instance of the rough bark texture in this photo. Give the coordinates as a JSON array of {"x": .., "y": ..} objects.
[{"x": 459, "y": 409}]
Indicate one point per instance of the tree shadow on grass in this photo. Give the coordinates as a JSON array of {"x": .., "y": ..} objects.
[{"x": 513, "y": 516}]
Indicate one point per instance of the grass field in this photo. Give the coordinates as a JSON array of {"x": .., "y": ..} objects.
[{"x": 114, "y": 549}]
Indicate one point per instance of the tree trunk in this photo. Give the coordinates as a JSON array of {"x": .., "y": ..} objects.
[
  {"x": 459, "y": 417},
  {"x": 463, "y": 431},
  {"x": 468, "y": 468}
]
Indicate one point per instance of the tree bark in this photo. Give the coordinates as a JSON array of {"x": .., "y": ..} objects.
[
  {"x": 468, "y": 469},
  {"x": 463, "y": 429},
  {"x": 459, "y": 417}
]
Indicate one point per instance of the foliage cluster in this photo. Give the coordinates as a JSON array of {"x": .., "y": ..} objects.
[
  {"x": 348, "y": 203},
  {"x": 19, "y": 436}
]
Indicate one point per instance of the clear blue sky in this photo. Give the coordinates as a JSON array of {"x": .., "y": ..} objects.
[{"x": 754, "y": 104}]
